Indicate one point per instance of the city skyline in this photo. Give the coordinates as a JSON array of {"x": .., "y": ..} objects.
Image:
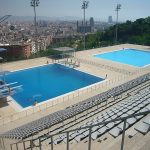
[{"x": 99, "y": 9}]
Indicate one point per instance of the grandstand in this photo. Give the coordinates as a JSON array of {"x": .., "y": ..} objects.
[{"x": 114, "y": 119}]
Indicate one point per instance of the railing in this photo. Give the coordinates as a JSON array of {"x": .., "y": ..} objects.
[
  {"x": 99, "y": 87},
  {"x": 105, "y": 66},
  {"x": 28, "y": 144},
  {"x": 115, "y": 69},
  {"x": 48, "y": 105}
]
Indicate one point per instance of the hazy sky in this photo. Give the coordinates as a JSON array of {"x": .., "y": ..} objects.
[{"x": 99, "y": 9}]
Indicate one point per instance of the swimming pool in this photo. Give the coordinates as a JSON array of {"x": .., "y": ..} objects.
[
  {"x": 45, "y": 82},
  {"x": 133, "y": 57}
]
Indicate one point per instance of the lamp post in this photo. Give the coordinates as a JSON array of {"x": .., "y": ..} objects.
[
  {"x": 118, "y": 7},
  {"x": 34, "y": 4},
  {"x": 84, "y": 7}
]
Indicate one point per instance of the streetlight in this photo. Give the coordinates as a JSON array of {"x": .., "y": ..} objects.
[
  {"x": 34, "y": 4},
  {"x": 84, "y": 6},
  {"x": 117, "y": 10}
]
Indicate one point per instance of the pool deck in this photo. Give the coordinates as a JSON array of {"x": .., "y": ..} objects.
[{"x": 117, "y": 73}]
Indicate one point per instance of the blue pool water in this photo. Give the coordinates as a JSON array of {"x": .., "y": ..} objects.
[
  {"x": 133, "y": 57},
  {"x": 46, "y": 82}
]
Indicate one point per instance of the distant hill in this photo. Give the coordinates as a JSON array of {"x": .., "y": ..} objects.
[
  {"x": 131, "y": 32},
  {"x": 137, "y": 32}
]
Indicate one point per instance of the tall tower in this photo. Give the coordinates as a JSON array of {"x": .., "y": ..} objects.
[
  {"x": 92, "y": 22},
  {"x": 77, "y": 26},
  {"x": 110, "y": 19}
]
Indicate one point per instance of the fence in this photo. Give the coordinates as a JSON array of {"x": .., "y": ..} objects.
[
  {"x": 77, "y": 95},
  {"x": 28, "y": 144},
  {"x": 119, "y": 70}
]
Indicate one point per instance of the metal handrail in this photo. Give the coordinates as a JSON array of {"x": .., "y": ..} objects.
[{"x": 90, "y": 132}]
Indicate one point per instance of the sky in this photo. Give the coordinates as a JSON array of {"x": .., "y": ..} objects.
[{"x": 99, "y": 9}]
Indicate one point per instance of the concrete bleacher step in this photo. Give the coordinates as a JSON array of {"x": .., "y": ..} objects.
[{"x": 131, "y": 132}]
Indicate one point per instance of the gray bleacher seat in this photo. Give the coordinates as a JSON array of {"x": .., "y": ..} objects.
[
  {"x": 95, "y": 121},
  {"x": 110, "y": 125},
  {"x": 122, "y": 124},
  {"x": 95, "y": 128},
  {"x": 119, "y": 113},
  {"x": 115, "y": 132},
  {"x": 124, "y": 115},
  {"x": 86, "y": 133},
  {"x": 114, "y": 110},
  {"x": 57, "y": 141},
  {"x": 142, "y": 127},
  {"x": 134, "y": 104},
  {"x": 114, "y": 116},
  {"x": 79, "y": 137},
  {"x": 143, "y": 109},
  {"x": 65, "y": 139},
  {"x": 100, "y": 120},
  {"x": 139, "y": 117},
  {"x": 147, "y": 120},
  {"x": 74, "y": 134},
  {"x": 148, "y": 107},
  {"x": 63, "y": 136},
  {"x": 108, "y": 119},
  {"x": 140, "y": 105},
  {"x": 82, "y": 130},
  {"x": 103, "y": 130},
  {"x": 146, "y": 102},
  {"x": 89, "y": 123},
  {"x": 129, "y": 107},
  {"x": 130, "y": 112},
  {"x": 135, "y": 108},
  {"x": 125, "y": 110},
  {"x": 132, "y": 120},
  {"x": 95, "y": 135}
]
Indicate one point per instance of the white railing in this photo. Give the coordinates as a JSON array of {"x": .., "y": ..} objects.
[
  {"x": 105, "y": 66},
  {"x": 77, "y": 96}
]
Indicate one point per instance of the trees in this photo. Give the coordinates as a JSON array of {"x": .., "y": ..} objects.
[{"x": 130, "y": 32}]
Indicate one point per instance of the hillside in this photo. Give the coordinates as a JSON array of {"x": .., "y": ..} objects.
[{"x": 137, "y": 32}]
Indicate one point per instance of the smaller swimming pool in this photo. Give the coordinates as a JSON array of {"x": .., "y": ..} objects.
[
  {"x": 46, "y": 82},
  {"x": 132, "y": 57}
]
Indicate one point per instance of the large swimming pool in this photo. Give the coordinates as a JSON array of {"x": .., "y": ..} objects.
[
  {"x": 133, "y": 57},
  {"x": 45, "y": 82}
]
